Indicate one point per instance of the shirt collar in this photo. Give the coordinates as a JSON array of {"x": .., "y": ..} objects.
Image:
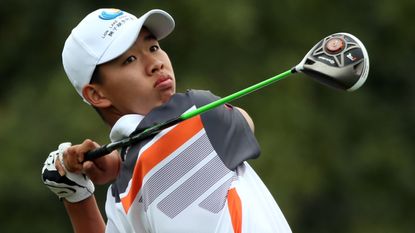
[{"x": 125, "y": 126}]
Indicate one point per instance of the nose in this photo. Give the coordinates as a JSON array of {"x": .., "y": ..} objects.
[{"x": 153, "y": 65}]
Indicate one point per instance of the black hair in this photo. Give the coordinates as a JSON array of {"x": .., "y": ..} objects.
[{"x": 96, "y": 79}]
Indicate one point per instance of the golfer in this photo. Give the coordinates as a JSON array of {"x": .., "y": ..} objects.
[{"x": 190, "y": 178}]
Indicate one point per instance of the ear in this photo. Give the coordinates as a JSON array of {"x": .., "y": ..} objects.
[{"x": 95, "y": 96}]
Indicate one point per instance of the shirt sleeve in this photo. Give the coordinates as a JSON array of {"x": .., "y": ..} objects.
[{"x": 227, "y": 130}]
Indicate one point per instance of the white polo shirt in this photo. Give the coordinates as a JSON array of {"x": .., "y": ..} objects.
[{"x": 191, "y": 177}]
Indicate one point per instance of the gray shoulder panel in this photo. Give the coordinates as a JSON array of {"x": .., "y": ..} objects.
[{"x": 227, "y": 130}]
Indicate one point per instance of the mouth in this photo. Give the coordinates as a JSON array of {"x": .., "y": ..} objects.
[{"x": 163, "y": 82}]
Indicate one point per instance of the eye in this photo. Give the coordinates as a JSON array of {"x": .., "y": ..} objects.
[
  {"x": 130, "y": 59},
  {"x": 154, "y": 48}
]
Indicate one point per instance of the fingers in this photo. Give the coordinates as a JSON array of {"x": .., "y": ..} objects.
[
  {"x": 93, "y": 172},
  {"x": 100, "y": 171},
  {"x": 104, "y": 169},
  {"x": 74, "y": 155},
  {"x": 59, "y": 167}
]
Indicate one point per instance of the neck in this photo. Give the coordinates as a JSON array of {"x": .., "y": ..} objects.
[
  {"x": 108, "y": 116},
  {"x": 112, "y": 120}
]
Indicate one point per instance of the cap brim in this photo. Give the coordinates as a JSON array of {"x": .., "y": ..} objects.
[{"x": 159, "y": 22}]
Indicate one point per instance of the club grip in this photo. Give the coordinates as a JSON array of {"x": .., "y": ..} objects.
[{"x": 96, "y": 153}]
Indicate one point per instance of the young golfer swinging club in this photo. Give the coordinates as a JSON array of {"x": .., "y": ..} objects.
[{"x": 191, "y": 177}]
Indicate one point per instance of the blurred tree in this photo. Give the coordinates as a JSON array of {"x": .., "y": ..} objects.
[{"x": 335, "y": 162}]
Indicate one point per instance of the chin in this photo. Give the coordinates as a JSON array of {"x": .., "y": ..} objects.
[{"x": 166, "y": 97}]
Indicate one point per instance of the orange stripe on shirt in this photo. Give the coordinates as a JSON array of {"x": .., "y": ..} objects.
[
  {"x": 162, "y": 148},
  {"x": 235, "y": 210}
]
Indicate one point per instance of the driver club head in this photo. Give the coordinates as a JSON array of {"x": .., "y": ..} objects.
[{"x": 339, "y": 60}]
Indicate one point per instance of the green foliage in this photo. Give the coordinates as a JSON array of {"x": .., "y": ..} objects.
[{"x": 334, "y": 161}]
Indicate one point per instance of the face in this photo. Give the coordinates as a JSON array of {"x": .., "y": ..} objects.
[{"x": 140, "y": 79}]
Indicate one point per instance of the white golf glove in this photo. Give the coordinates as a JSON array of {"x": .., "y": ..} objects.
[{"x": 73, "y": 187}]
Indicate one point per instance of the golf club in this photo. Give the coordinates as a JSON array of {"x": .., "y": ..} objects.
[{"x": 339, "y": 60}]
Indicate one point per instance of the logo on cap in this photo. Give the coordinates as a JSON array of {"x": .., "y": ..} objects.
[{"x": 110, "y": 14}]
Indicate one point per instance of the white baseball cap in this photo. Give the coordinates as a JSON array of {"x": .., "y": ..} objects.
[{"x": 105, "y": 34}]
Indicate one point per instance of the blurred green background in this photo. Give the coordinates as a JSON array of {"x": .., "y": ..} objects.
[{"x": 334, "y": 161}]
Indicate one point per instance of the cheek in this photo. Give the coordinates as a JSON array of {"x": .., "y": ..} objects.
[
  {"x": 167, "y": 63},
  {"x": 131, "y": 90}
]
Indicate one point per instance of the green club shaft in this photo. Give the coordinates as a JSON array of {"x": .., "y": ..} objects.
[
  {"x": 236, "y": 95},
  {"x": 106, "y": 149}
]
